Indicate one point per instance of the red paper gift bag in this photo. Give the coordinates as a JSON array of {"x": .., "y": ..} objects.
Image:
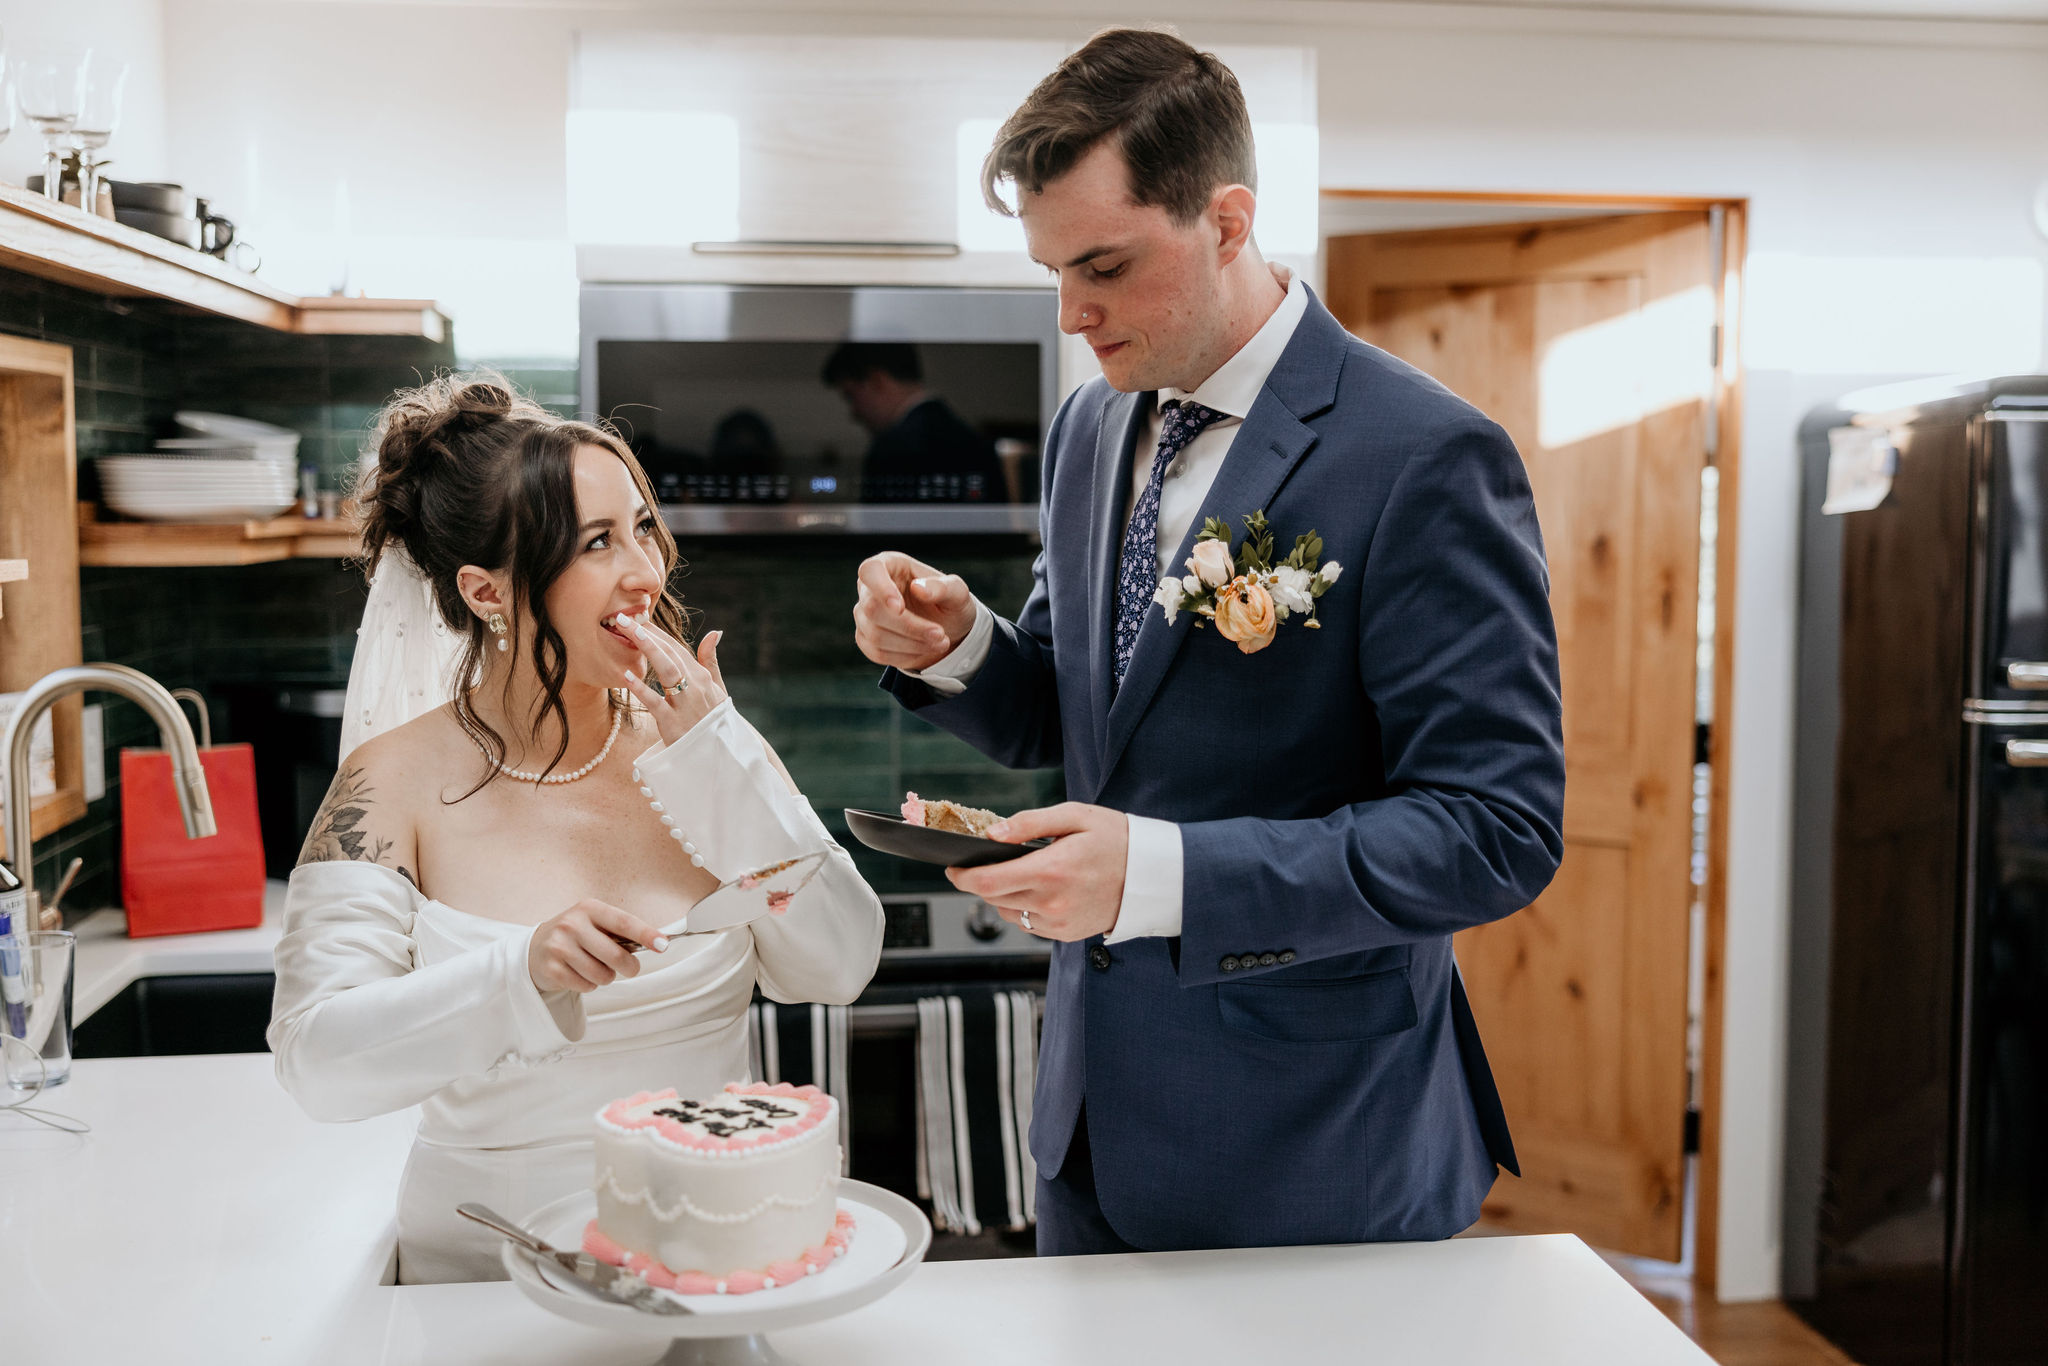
[{"x": 174, "y": 885}]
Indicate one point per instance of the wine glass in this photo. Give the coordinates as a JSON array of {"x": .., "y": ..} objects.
[
  {"x": 51, "y": 88},
  {"x": 99, "y": 110}
]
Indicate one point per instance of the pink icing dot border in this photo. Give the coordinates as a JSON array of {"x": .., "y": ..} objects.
[
  {"x": 769, "y": 1277},
  {"x": 616, "y": 1114}
]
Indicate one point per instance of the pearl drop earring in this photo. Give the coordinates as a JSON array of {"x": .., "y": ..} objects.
[{"x": 496, "y": 621}]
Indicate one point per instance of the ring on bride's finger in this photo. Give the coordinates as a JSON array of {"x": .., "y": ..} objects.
[
  {"x": 1027, "y": 920},
  {"x": 673, "y": 689}
]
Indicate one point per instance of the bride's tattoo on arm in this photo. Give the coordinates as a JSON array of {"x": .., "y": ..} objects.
[{"x": 337, "y": 832}]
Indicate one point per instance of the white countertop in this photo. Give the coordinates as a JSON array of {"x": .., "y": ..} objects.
[
  {"x": 109, "y": 960},
  {"x": 206, "y": 1219}
]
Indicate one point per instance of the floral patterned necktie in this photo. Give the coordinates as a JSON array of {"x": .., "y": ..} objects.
[{"x": 1137, "y": 577}]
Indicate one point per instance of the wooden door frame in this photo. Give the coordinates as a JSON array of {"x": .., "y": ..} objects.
[{"x": 1728, "y": 387}]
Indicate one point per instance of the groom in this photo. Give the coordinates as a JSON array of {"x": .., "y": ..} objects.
[{"x": 1254, "y": 1030}]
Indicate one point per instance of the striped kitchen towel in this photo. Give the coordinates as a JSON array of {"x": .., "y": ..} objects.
[
  {"x": 804, "y": 1045},
  {"x": 977, "y": 1059}
]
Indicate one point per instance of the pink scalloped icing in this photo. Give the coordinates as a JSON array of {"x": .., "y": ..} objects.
[
  {"x": 617, "y": 1114},
  {"x": 913, "y": 808},
  {"x": 788, "y": 1272}
]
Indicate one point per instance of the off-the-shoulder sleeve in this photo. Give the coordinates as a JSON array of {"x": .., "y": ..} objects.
[
  {"x": 359, "y": 1028},
  {"x": 718, "y": 793}
]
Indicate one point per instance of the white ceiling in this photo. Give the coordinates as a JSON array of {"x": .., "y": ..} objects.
[{"x": 1848, "y": 9}]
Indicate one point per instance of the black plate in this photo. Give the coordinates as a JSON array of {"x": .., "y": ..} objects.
[{"x": 894, "y": 835}]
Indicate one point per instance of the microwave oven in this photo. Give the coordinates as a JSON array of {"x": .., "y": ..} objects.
[{"x": 792, "y": 409}]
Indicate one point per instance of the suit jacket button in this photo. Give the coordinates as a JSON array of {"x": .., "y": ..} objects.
[
  {"x": 1267, "y": 960},
  {"x": 1287, "y": 955},
  {"x": 1099, "y": 957},
  {"x": 1228, "y": 964}
]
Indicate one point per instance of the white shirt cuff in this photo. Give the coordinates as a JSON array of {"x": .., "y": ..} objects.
[
  {"x": 951, "y": 675},
  {"x": 1152, "y": 882}
]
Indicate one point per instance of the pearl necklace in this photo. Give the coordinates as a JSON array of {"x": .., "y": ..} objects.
[{"x": 583, "y": 772}]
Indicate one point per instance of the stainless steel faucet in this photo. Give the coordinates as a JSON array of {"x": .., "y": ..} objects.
[{"x": 145, "y": 692}]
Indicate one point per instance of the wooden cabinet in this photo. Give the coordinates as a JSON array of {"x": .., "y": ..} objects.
[{"x": 38, "y": 488}]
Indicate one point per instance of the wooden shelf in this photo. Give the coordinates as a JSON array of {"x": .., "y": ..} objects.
[
  {"x": 61, "y": 243},
  {"x": 151, "y": 544},
  {"x": 11, "y": 571}
]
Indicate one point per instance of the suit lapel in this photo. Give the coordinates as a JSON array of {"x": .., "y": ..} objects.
[
  {"x": 1263, "y": 454},
  {"x": 1123, "y": 423}
]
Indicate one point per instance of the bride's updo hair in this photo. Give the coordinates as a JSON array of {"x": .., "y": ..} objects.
[{"x": 468, "y": 471}]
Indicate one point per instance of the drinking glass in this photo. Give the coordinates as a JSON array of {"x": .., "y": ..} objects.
[
  {"x": 50, "y": 86},
  {"x": 99, "y": 110},
  {"x": 37, "y": 1020}
]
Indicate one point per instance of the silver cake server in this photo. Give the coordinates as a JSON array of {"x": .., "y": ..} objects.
[
  {"x": 743, "y": 900},
  {"x": 612, "y": 1284}
]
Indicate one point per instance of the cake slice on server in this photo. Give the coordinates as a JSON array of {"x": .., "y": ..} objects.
[{"x": 722, "y": 1196}]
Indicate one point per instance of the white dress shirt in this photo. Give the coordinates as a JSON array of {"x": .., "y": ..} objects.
[{"x": 1152, "y": 867}]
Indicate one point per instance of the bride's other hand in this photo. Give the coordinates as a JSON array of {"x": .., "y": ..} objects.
[
  {"x": 691, "y": 684},
  {"x": 575, "y": 951}
]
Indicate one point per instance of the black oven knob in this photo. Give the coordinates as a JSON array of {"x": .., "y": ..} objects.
[{"x": 984, "y": 924}]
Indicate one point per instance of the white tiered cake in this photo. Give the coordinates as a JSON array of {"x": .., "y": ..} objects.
[{"x": 721, "y": 1196}]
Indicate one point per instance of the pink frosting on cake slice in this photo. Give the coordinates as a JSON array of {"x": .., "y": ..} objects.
[{"x": 913, "y": 808}]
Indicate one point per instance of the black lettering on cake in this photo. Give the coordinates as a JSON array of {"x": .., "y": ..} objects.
[{"x": 721, "y": 1119}]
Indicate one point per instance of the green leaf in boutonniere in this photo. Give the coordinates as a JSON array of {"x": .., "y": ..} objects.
[{"x": 1215, "y": 529}]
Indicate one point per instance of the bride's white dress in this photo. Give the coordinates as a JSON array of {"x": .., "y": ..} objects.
[{"x": 386, "y": 998}]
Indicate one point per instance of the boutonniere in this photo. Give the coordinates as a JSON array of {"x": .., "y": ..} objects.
[{"x": 1244, "y": 592}]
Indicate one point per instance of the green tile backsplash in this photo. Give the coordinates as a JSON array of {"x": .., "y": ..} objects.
[{"x": 784, "y": 605}]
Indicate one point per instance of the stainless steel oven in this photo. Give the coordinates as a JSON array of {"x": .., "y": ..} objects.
[{"x": 783, "y": 409}]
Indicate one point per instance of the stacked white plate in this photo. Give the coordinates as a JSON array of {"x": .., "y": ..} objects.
[
  {"x": 222, "y": 429},
  {"x": 230, "y": 469},
  {"x": 193, "y": 488}
]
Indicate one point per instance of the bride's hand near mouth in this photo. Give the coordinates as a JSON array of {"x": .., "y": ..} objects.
[{"x": 675, "y": 709}]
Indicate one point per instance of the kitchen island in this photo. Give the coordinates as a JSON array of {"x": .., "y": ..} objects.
[{"x": 206, "y": 1219}]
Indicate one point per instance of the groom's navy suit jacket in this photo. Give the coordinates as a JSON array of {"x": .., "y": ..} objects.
[{"x": 1300, "y": 1064}]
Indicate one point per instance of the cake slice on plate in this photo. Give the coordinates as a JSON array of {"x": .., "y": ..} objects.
[{"x": 942, "y": 815}]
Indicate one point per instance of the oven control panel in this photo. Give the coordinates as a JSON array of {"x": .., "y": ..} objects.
[{"x": 951, "y": 925}]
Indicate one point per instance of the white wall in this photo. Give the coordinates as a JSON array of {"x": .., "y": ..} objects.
[
  {"x": 130, "y": 31},
  {"x": 1885, "y": 162}
]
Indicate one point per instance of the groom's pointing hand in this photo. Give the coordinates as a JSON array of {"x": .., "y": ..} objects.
[
  {"x": 1072, "y": 889},
  {"x": 909, "y": 615}
]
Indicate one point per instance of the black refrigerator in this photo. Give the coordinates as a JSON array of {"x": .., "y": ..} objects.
[{"x": 1916, "y": 1196}]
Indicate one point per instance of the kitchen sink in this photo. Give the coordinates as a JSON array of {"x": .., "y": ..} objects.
[{"x": 219, "y": 1012}]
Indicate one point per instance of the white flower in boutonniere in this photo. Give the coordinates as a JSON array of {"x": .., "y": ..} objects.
[
  {"x": 1243, "y": 591},
  {"x": 1294, "y": 589},
  {"x": 1168, "y": 598}
]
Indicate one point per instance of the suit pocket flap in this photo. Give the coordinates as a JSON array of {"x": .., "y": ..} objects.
[{"x": 1320, "y": 1012}]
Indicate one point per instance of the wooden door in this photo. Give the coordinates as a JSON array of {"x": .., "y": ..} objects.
[{"x": 1589, "y": 341}]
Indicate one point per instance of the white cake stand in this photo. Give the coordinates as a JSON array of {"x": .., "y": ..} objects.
[{"x": 889, "y": 1239}]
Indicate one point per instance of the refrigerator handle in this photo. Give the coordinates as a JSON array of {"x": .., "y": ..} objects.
[
  {"x": 2027, "y": 753},
  {"x": 2026, "y": 674}
]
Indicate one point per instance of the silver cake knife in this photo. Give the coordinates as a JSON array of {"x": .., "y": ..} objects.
[{"x": 615, "y": 1285}]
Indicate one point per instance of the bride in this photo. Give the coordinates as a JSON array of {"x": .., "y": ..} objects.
[{"x": 536, "y": 767}]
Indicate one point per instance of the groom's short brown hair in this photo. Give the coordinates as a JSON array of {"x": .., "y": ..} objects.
[{"x": 1178, "y": 115}]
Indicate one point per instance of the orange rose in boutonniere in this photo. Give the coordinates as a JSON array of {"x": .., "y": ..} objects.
[{"x": 1244, "y": 615}]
